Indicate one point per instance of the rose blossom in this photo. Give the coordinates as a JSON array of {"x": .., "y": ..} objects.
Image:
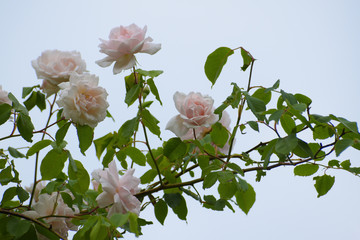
[
  {"x": 46, "y": 207},
  {"x": 195, "y": 111},
  {"x": 118, "y": 191},
  {"x": 39, "y": 186},
  {"x": 82, "y": 100},
  {"x": 200, "y": 132},
  {"x": 123, "y": 43},
  {"x": 55, "y": 67},
  {"x": 4, "y": 97}
]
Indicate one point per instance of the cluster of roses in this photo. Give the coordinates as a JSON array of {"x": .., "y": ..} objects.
[{"x": 84, "y": 102}]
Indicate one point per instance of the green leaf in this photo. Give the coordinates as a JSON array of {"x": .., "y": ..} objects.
[
  {"x": 227, "y": 190},
  {"x": 323, "y": 132},
  {"x": 352, "y": 126},
  {"x": 275, "y": 86},
  {"x": 346, "y": 164},
  {"x": 174, "y": 149},
  {"x": 247, "y": 59},
  {"x": 319, "y": 118},
  {"x": 286, "y": 145},
  {"x": 132, "y": 94},
  {"x": 303, "y": 99},
  {"x": 5, "y": 112},
  {"x": 26, "y": 91},
  {"x": 154, "y": 89},
  {"x": 22, "y": 194},
  {"x": 178, "y": 204},
  {"x": 303, "y": 150},
  {"x": 219, "y": 134},
  {"x": 15, "y": 153},
  {"x": 246, "y": 199},
  {"x": 118, "y": 220},
  {"x": 135, "y": 154},
  {"x": 148, "y": 176},
  {"x": 127, "y": 130},
  {"x": 52, "y": 164},
  {"x": 341, "y": 145},
  {"x": 85, "y": 135},
  {"x": 134, "y": 228},
  {"x": 276, "y": 115},
  {"x": 9, "y": 194},
  {"x": 6, "y": 176},
  {"x": 254, "y": 125},
  {"x": 305, "y": 170},
  {"x": 323, "y": 184},
  {"x": 61, "y": 133},
  {"x": 334, "y": 162},
  {"x": 150, "y": 122},
  {"x": 45, "y": 232},
  {"x": 102, "y": 143},
  {"x": 289, "y": 98},
  {"x": 31, "y": 101},
  {"x": 17, "y": 106},
  {"x": 161, "y": 211},
  {"x": 268, "y": 151},
  {"x": 225, "y": 176},
  {"x": 98, "y": 231},
  {"x": 17, "y": 227},
  {"x": 151, "y": 73},
  {"x": 212, "y": 203},
  {"x": 263, "y": 95},
  {"x": 40, "y": 101},
  {"x": 235, "y": 167},
  {"x": 81, "y": 177},
  {"x": 215, "y": 62},
  {"x": 210, "y": 180},
  {"x": 38, "y": 146},
  {"x": 256, "y": 105},
  {"x": 109, "y": 156},
  {"x": 25, "y": 126},
  {"x": 287, "y": 123}
]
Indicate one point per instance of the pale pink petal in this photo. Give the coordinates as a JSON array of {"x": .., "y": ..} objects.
[
  {"x": 179, "y": 99},
  {"x": 150, "y": 48},
  {"x": 124, "y": 63},
  {"x": 176, "y": 125}
]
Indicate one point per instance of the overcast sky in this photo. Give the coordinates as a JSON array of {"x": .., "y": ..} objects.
[{"x": 311, "y": 46}]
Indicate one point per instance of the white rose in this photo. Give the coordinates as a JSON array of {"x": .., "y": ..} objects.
[
  {"x": 82, "y": 100},
  {"x": 55, "y": 67},
  {"x": 53, "y": 205},
  {"x": 123, "y": 44},
  {"x": 195, "y": 111}
]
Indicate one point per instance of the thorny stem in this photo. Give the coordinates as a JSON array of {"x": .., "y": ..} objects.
[
  {"x": 145, "y": 133},
  {"x": 241, "y": 107},
  {"x": 37, "y": 154},
  {"x": 278, "y": 164}
]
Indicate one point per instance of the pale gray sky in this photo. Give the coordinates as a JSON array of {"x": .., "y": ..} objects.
[{"x": 311, "y": 46}]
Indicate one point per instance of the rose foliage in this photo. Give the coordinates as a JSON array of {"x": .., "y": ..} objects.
[{"x": 193, "y": 165}]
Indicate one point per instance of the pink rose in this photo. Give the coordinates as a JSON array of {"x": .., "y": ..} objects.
[
  {"x": 123, "y": 43},
  {"x": 82, "y": 100},
  {"x": 55, "y": 67},
  {"x": 195, "y": 111},
  {"x": 118, "y": 191},
  {"x": 200, "y": 132},
  {"x": 4, "y": 99},
  {"x": 53, "y": 205}
]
